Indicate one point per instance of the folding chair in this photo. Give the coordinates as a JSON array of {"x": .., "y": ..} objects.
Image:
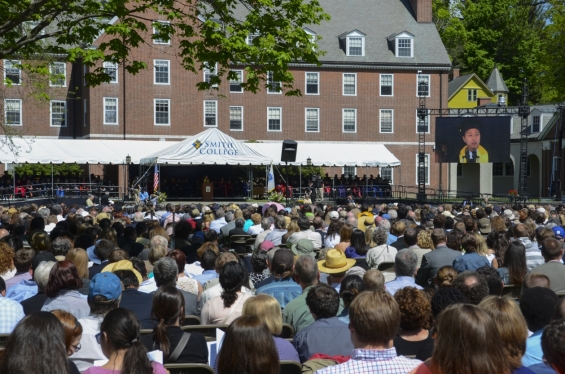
[
  {"x": 290, "y": 367},
  {"x": 209, "y": 331},
  {"x": 287, "y": 331},
  {"x": 189, "y": 369},
  {"x": 386, "y": 266},
  {"x": 512, "y": 291},
  {"x": 238, "y": 239},
  {"x": 190, "y": 320},
  {"x": 3, "y": 338}
]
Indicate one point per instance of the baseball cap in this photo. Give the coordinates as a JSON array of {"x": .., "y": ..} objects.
[
  {"x": 266, "y": 245},
  {"x": 386, "y": 216},
  {"x": 559, "y": 232},
  {"x": 105, "y": 284},
  {"x": 303, "y": 247},
  {"x": 484, "y": 226},
  {"x": 334, "y": 215}
]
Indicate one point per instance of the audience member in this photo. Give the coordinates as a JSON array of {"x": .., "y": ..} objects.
[
  {"x": 62, "y": 290},
  {"x": 306, "y": 274},
  {"x": 432, "y": 261},
  {"x": 373, "y": 280},
  {"x": 351, "y": 286},
  {"x": 405, "y": 268},
  {"x": 34, "y": 296},
  {"x": 280, "y": 284},
  {"x": 471, "y": 260},
  {"x": 134, "y": 300},
  {"x": 473, "y": 285},
  {"x": 552, "y": 252},
  {"x": 10, "y": 310},
  {"x": 514, "y": 268}
]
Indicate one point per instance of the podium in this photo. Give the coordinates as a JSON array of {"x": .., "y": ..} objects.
[{"x": 207, "y": 191}]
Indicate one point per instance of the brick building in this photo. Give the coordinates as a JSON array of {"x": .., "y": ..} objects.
[{"x": 364, "y": 91}]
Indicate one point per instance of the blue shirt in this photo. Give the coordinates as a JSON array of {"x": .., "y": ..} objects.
[
  {"x": 470, "y": 261},
  {"x": 206, "y": 276},
  {"x": 283, "y": 289},
  {"x": 329, "y": 336},
  {"x": 533, "y": 353},
  {"x": 143, "y": 196},
  {"x": 23, "y": 290},
  {"x": 401, "y": 282},
  {"x": 92, "y": 256},
  {"x": 11, "y": 312},
  {"x": 344, "y": 316},
  {"x": 391, "y": 239}
]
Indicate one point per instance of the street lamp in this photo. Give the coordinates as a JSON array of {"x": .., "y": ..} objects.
[
  {"x": 309, "y": 161},
  {"x": 128, "y": 162}
]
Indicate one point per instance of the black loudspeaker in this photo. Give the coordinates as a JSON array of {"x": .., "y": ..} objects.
[{"x": 289, "y": 148}]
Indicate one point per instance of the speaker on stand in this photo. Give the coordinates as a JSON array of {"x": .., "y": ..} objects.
[{"x": 288, "y": 154}]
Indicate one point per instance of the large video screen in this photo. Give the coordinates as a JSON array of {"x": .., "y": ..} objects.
[{"x": 467, "y": 140}]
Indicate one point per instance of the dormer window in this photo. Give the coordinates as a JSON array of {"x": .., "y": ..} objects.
[
  {"x": 403, "y": 44},
  {"x": 354, "y": 43}
]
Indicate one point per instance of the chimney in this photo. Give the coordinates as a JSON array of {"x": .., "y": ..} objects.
[
  {"x": 422, "y": 10},
  {"x": 483, "y": 101},
  {"x": 455, "y": 73}
]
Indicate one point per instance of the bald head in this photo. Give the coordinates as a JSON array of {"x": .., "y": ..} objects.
[{"x": 3, "y": 233}]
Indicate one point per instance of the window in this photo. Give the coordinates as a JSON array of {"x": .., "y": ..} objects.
[
  {"x": 386, "y": 121},
  {"x": 386, "y": 84},
  {"x": 110, "y": 111},
  {"x": 349, "y": 120},
  {"x": 13, "y": 112},
  {"x": 355, "y": 46},
  {"x": 85, "y": 110},
  {"x": 160, "y": 36},
  {"x": 386, "y": 173},
  {"x": 349, "y": 171},
  {"x": 404, "y": 47},
  {"x": 312, "y": 120},
  {"x": 235, "y": 85},
  {"x": 425, "y": 125},
  {"x": 58, "y": 72},
  {"x": 312, "y": 83},
  {"x": 274, "y": 118},
  {"x": 497, "y": 169},
  {"x": 460, "y": 170},
  {"x": 509, "y": 169},
  {"x": 111, "y": 69},
  {"x": 162, "y": 112},
  {"x": 58, "y": 113},
  {"x": 349, "y": 84},
  {"x": 236, "y": 118},
  {"x": 273, "y": 87},
  {"x": 209, "y": 73},
  {"x": 426, "y": 169},
  {"x": 12, "y": 73},
  {"x": 210, "y": 113},
  {"x": 472, "y": 94},
  {"x": 251, "y": 37},
  {"x": 423, "y": 90},
  {"x": 162, "y": 71},
  {"x": 536, "y": 124}
]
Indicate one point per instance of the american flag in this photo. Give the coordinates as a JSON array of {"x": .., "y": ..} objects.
[{"x": 156, "y": 178}]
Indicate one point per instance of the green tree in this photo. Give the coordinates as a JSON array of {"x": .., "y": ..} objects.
[{"x": 554, "y": 53}]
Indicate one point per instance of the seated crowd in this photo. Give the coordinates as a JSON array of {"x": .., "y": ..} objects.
[{"x": 336, "y": 289}]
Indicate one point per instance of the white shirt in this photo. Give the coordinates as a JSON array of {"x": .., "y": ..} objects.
[
  {"x": 148, "y": 286},
  {"x": 90, "y": 349},
  {"x": 193, "y": 269},
  {"x": 255, "y": 230},
  {"x": 217, "y": 290}
]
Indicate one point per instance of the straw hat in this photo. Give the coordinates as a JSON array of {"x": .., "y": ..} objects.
[{"x": 335, "y": 262}]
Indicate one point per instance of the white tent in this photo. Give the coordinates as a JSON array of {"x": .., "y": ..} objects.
[
  {"x": 332, "y": 153},
  {"x": 210, "y": 147},
  {"x": 80, "y": 151}
]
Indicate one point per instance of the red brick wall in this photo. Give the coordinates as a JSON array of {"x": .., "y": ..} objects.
[{"x": 422, "y": 10}]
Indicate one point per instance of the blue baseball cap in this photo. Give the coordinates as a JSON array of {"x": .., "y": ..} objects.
[
  {"x": 386, "y": 216},
  {"x": 559, "y": 232},
  {"x": 107, "y": 285}
]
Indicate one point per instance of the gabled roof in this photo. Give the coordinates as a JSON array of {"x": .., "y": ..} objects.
[
  {"x": 458, "y": 83},
  {"x": 496, "y": 83},
  {"x": 405, "y": 34},
  {"x": 347, "y": 33}
]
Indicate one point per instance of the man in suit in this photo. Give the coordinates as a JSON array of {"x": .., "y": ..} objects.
[
  {"x": 398, "y": 230},
  {"x": 552, "y": 251},
  {"x": 434, "y": 260},
  {"x": 138, "y": 302}
]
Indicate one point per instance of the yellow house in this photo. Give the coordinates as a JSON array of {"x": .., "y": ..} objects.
[{"x": 469, "y": 91}]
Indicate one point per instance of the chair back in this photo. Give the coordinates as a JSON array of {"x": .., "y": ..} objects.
[
  {"x": 209, "y": 331},
  {"x": 511, "y": 290},
  {"x": 189, "y": 369},
  {"x": 238, "y": 238},
  {"x": 287, "y": 331},
  {"x": 190, "y": 320},
  {"x": 290, "y": 367},
  {"x": 386, "y": 266},
  {"x": 3, "y": 338}
]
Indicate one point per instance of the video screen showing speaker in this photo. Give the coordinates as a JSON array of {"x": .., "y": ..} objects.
[
  {"x": 469, "y": 140},
  {"x": 289, "y": 148}
]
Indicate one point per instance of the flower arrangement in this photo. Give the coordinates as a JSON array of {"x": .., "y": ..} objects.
[
  {"x": 161, "y": 196},
  {"x": 513, "y": 193},
  {"x": 276, "y": 197}
]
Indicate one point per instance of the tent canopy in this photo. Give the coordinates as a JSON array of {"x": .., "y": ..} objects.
[
  {"x": 80, "y": 151},
  {"x": 210, "y": 147},
  {"x": 332, "y": 153}
]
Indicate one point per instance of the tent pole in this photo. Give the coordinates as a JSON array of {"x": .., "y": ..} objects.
[
  {"x": 366, "y": 183},
  {"x": 52, "y": 180},
  {"x": 15, "y": 182},
  {"x": 300, "y": 190},
  {"x": 333, "y": 187}
]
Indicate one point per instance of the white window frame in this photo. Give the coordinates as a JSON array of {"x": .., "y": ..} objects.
[
  {"x": 51, "y": 66},
  {"x": 107, "y": 65},
  {"x": 271, "y": 80},
  {"x": 51, "y": 112},
  {"x": 242, "y": 110},
  {"x": 427, "y": 157},
  {"x": 418, "y": 120},
  {"x": 306, "y": 119},
  {"x": 348, "y": 41},
  {"x": 250, "y": 37},
  {"x": 11, "y": 63},
  {"x": 343, "y": 120},
  {"x": 349, "y": 166},
  {"x": 391, "y": 180},
  {"x": 208, "y": 73},
  {"x": 469, "y": 90},
  {"x": 306, "y": 83},
  {"x": 6, "y": 112},
  {"x": 381, "y": 121},
  {"x": 280, "y": 118},
  {"x": 397, "y": 46},
  {"x": 215, "y": 102},
  {"x": 159, "y": 41},
  {"x": 343, "y": 84},
  {"x": 418, "y": 76},
  {"x": 104, "y": 111},
  {"x": 534, "y": 122},
  {"x": 238, "y": 82},
  {"x": 391, "y": 85},
  {"x": 155, "y": 112},
  {"x": 155, "y": 62},
  {"x": 85, "y": 112}
]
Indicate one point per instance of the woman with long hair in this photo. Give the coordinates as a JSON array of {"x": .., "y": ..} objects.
[
  {"x": 37, "y": 345},
  {"x": 168, "y": 309},
  {"x": 351, "y": 286},
  {"x": 79, "y": 258},
  {"x": 119, "y": 338},
  {"x": 73, "y": 333},
  {"x": 225, "y": 308},
  {"x": 514, "y": 267},
  {"x": 345, "y": 234},
  {"x": 500, "y": 246},
  {"x": 511, "y": 325},
  {"x": 467, "y": 342},
  {"x": 358, "y": 247},
  {"x": 332, "y": 236},
  {"x": 62, "y": 291},
  {"x": 7, "y": 268},
  {"x": 292, "y": 227},
  {"x": 248, "y": 337}
]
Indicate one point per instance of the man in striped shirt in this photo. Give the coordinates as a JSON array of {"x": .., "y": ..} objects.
[
  {"x": 374, "y": 321},
  {"x": 533, "y": 253}
]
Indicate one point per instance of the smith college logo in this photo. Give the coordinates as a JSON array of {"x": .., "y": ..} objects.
[
  {"x": 197, "y": 144},
  {"x": 215, "y": 148}
]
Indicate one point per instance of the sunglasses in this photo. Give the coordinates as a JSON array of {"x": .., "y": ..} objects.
[{"x": 98, "y": 337}]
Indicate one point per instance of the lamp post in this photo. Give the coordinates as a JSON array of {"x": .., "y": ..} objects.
[{"x": 128, "y": 162}]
